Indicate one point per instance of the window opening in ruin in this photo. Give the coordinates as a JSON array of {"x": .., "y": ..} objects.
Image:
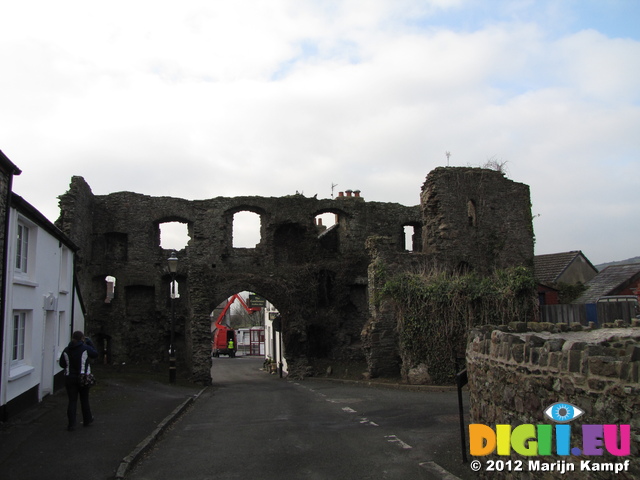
[
  {"x": 246, "y": 229},
  {"x": 409, "y": 232},
  {"x": 289, "y": 244},
  {"x": 471, "y": 213},
  {"x": 174, "y": 235},
  {"x": 173, "y": 289},
  {"x": 326, "y": 220},
  {"x": 111, "y": 288}
]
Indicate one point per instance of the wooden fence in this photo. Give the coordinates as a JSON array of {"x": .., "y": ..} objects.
[{"x": 584, "y": 313}]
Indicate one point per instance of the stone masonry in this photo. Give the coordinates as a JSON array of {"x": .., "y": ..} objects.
[
  {"x": 472, "y": 219},
  {"x": 517, "y": 371},
  {"x": 319, "y": 280},
  {"x": 476, "y": 219}
]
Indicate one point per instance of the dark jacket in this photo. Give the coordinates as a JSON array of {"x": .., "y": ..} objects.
[{"x": 74, "y": 357}]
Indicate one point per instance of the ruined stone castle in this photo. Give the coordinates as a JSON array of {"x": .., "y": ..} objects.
[{"x": 319, "y": 280}]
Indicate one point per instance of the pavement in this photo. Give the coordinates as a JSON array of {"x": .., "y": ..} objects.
[{"x": 131, "y": 410}]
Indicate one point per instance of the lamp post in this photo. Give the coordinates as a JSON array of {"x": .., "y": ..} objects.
[{"x": 173, "y": 268}]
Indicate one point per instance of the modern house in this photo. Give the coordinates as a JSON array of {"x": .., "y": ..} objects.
[
  {"x": 614, "y": 280},
  {"x": 40, "y": 303},
  {"x": 614, "y": 293},
  {"x": 557, "y": 269},
  {"x": 272, "y": 335}
]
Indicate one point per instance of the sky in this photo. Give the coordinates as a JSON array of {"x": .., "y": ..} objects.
[{"x": 203, "y": 98}]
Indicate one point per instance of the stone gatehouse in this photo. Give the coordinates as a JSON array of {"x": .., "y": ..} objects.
[{"x": 317, "y": 278}]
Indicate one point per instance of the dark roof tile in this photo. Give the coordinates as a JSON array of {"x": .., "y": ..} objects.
[
  {"x": 548, "y": 268},
  {"x": 609, "y": 281}
]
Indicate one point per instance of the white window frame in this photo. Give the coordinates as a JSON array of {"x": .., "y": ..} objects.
[
  {"x": 21, "y": 351},
  {"x": 22, "y": 248},
  {"x": 18, "y": 337},
  {"x": 24, "y": 256}
]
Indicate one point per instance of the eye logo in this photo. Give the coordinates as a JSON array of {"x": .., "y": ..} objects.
[{"x": 563, "y": 412}]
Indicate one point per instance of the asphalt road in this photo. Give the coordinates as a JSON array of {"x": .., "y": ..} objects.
[{"x": 254, "y": 425}]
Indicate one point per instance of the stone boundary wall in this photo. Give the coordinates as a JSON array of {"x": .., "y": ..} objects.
[{"x": 517, "y": 371}]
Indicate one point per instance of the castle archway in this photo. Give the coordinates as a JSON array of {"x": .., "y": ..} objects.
[{"x": 319, "y": 281}]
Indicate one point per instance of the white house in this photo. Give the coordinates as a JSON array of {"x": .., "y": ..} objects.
[
  {"x": 41, "y": 306},
  {"x": 273, "y": 347}
]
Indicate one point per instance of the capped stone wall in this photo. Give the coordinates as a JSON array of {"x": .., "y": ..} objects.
[{"x": 516, "y": 372}]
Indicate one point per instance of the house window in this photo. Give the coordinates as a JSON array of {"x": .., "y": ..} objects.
[
  {"x": 19, "y": 328},
  {"x": 22, "y": 248}
]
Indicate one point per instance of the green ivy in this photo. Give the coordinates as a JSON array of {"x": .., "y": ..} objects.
[
  {"x": 568, "y": 293},
  {"x": 436, "y": 310}
]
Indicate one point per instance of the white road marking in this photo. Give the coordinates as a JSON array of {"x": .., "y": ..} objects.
[
  {"x": 394, "y": 439},
  {"x": 368, "y": 422},
  {"x": 433, "y": 467}
]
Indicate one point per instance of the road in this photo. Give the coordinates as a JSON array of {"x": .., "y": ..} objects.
[{"x": 254, "y": 425}]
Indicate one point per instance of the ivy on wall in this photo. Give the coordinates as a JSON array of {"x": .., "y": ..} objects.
[{"x": 436, "y": 309}]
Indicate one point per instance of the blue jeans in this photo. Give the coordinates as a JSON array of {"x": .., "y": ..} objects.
[{"x": 74, "y": 390}]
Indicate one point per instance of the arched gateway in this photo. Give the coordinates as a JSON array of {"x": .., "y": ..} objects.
[{"x": 316, "y": 276}]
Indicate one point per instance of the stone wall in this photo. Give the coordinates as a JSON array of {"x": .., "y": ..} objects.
[
  {"x": 320, "y": 281},
  {"x": 380, "y": 333},
  {"x": 317, "y": 280},
  {"x": 472, "y": 219},
  {"x": 477, "y": 219},
  {"x": 516, "y": 372}
]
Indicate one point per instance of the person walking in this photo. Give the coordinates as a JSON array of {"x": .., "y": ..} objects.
[{"x": 74, "y": 360}]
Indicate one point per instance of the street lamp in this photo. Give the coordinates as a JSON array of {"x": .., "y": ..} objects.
[{"x": 173, "y": 268}]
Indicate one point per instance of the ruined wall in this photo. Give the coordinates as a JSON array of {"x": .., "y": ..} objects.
[
  {"x": 472, "y": 219},
  {"x": 318, "y": 282},
  {"x": 516, "y": 372},
  {"x": 476, "y": 218},
  {"x": 380, "y": 333}
]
